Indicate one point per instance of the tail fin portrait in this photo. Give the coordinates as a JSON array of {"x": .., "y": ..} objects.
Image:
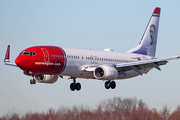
[{"x": 147, "y": 46}]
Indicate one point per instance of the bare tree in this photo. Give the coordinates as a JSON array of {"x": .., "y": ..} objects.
[
  {"x": 176, "y": 114},
  {"x": 165, "y": 112},
  {"x": 108, "y": 109}
]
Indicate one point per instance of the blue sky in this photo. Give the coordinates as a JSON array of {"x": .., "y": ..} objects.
[{"x": 95, "y": 24}]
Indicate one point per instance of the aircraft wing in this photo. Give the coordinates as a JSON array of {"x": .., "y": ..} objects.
[
  {"x": 136, "y": 66},
  {"x": 140, "y": 65}
]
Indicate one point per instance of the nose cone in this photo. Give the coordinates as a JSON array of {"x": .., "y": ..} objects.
[
  {"x": 22, "y": 62},
  {"x": 18, "y": 62}
]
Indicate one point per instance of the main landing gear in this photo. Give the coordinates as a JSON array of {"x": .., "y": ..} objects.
[
  {"x": 74, "y": 85},
  {"x": 77, "y": 86},
  {"x": 110, "y": 84}
]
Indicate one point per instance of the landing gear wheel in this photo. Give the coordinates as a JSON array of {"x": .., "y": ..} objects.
[
  {"x": 34, "y": 81},
  {"x": 31, "y": 82},
  {"x": 78, "y": 86},
  {"x": 107, "y": 84},
  {"x": 113, "y": 84},
  {"x": 72, "y": 86},
  {"x": 110, "y": 84}
]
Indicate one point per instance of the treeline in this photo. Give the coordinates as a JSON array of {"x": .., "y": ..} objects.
[{"x": 109, "y": 109}]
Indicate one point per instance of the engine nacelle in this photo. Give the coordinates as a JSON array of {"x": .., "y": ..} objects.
[
  {"x": 44, "y": 78},
  {"x": 105, "y": 72}
]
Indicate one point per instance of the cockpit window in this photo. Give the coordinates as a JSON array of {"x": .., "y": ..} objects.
[
  {"x": 28, "y": 53},
  {"x": 32, "y": 53}
]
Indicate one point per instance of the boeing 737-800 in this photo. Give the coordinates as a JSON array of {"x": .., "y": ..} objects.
[{"x": 46, "y": 63}]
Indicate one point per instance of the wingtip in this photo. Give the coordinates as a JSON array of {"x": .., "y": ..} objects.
[
  {"x": 157, "y": 10},
  {"x": 7, "y": 57},
  {"x": 7, "y": 54}
]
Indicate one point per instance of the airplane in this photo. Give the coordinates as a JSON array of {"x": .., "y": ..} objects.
[{"x": 46, "y": 63}]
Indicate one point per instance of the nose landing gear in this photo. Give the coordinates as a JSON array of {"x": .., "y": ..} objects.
[{"x": 32, "y": 81}]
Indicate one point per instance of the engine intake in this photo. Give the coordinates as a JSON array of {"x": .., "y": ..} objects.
[{"x": 105, "y": 72}]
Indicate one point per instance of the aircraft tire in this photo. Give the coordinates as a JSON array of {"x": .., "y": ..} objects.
[
  {"x": 107, "y": 85},
  {"x": 34, "y": 81},
  {"x": 72, "y": 86},
  {"x": 113, "y": 84},
  {"x": 78, "y": 86},
  {"x": 31, "y": 82}
]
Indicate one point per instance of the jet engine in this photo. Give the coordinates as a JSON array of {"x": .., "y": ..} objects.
[
  {"x": 45, "y": 78},
  {"x": 105, "y": 72}
]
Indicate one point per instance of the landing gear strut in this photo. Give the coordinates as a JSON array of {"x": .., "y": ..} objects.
[
  {"x": 32, "y": 81},
  {"x": 74, "y": 85},
  {"x": 110, "y": 84}
]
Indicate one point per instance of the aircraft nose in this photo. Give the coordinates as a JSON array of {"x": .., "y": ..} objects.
[
  {"x": 17, "y": 61},
  {"x": 21, "y": 62}
]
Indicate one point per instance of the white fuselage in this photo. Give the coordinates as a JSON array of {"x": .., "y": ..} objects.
[{"x": 77, "y": 59}]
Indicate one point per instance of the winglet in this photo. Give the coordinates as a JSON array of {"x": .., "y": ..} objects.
[
  {"x": 7, "y": 58},
  {"x": 7, "y": 54}
]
